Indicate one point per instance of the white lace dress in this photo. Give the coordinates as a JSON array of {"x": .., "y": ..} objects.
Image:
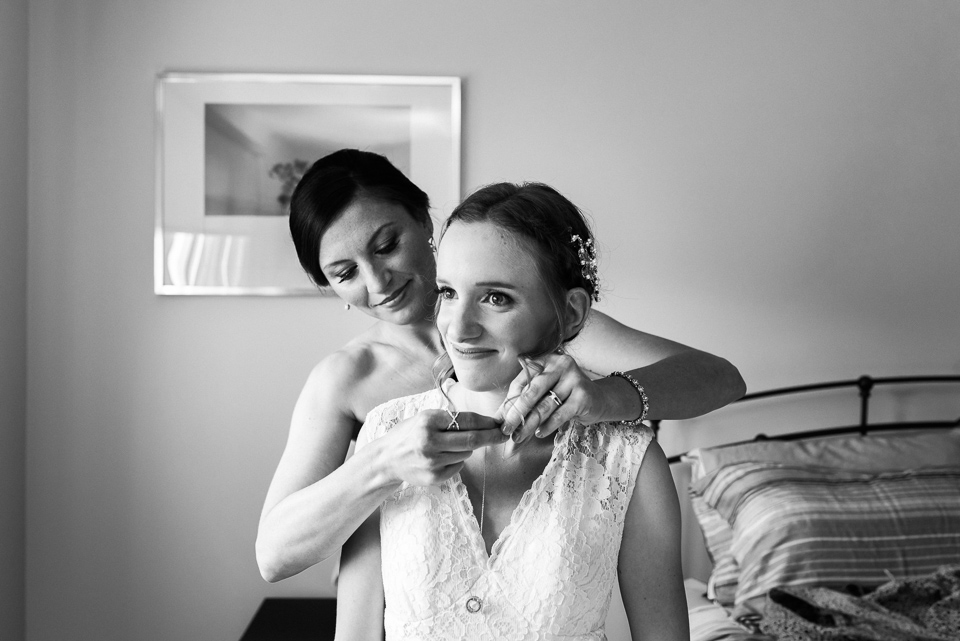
[{"x": 551, "y": 573}]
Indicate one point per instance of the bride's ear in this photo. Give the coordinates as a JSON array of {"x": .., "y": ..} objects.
[{"x": 575, "y": 312}]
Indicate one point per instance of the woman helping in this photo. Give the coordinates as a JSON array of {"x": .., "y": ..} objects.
[{"x": 361, "y": 227}]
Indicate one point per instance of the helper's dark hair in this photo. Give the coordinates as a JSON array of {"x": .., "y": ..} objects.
[{"x": 331, "y": 185}]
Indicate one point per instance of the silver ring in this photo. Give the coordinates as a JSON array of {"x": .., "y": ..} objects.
[
  {"x": 555, "y": 398},
  {"x": 453, "y": 422}
]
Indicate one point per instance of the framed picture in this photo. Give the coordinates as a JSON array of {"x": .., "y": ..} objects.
[{"x": 231, "y": 148}]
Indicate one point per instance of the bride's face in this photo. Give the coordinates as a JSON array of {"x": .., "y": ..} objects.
[{"x": 493, "y": 305}]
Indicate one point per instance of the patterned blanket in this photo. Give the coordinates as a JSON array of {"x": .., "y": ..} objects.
[{"x": 925, "y": 609}]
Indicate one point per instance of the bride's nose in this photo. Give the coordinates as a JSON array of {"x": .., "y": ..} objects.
[{"x": 462, "y": 323}]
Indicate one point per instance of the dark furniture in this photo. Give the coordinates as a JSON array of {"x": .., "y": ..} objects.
[{"x": 293, "y": 619}]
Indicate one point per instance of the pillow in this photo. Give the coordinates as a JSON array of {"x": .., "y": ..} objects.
[
  {"x": 717, "y": 536},
  {"x": 814, "y": 525},
  {"x": 873, "y": 453},
  {"x": 876, "y": 453}
]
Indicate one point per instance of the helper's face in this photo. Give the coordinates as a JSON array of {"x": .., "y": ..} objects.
[
  {"x": 377, "y": 258},
  {"x": 493, "y": 306}
]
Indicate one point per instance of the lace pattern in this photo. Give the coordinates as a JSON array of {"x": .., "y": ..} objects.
[{"x": 551, "y": 573}]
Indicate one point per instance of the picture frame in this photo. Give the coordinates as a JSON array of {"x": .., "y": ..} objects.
[{"x": 230, "y": 148}]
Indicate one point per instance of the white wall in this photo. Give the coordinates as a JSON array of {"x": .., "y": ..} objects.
[
  {"x": 13, "y": 312},
  {"x": 772, "y": 181}
]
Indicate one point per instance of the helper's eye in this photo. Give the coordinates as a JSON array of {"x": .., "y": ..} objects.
[
  {"x": 387, "y": 247},
  {"x": 346, "y": 274}
]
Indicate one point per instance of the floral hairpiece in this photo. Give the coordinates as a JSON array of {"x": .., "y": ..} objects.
[{"x": 588, "y": 263}]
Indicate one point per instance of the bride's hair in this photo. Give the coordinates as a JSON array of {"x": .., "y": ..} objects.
[{"x": 554, "y": 231}]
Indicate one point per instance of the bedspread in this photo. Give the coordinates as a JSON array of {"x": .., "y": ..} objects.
[{"x": 924, "y": 609}]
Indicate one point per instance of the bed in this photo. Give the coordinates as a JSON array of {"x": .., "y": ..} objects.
[{"x": 849, "y": 532}]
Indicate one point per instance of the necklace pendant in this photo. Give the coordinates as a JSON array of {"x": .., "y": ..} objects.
[{"x": 474, "y": 604}]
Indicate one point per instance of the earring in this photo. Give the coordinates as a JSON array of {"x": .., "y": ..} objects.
[
  {"x": 347, "y": 307},
  {"x": 433, "y": 247}
]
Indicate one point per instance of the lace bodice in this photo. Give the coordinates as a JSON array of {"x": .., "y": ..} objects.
[{"x": 551, "y": 573}]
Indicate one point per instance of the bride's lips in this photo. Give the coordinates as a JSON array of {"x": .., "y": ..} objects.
[
  {"x": 395, "y": 297},
  {"x": 471, "y": 353}
]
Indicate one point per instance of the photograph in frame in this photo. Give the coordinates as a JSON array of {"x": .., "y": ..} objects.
[{"x": 231, "y": 148}]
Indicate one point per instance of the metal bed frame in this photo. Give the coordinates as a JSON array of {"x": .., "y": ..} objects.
[{"x": 865, "y": 384}]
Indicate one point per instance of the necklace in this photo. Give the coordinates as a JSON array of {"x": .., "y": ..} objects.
[
  {"x": 483, "y": 493},
  {"x": 483, "y": 482},
  {"x": 454, "y": 413}
]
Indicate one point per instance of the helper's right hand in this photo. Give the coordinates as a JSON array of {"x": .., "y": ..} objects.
[{"x": 423, "y": 451}]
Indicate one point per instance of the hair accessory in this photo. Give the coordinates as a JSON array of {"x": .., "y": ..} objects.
[
  {"x": 430, "y": 242},
  {"x": 643, "y": 399},
  {"x": 588, "y": 263}
]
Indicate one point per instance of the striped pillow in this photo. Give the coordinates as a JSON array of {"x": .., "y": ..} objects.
[
  {"x": 717, "y": 536},
  {"x": 876, "y": 453},
  {"x": 807, "y": 525}
]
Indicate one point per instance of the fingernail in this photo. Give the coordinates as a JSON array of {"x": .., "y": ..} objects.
[
  {"x": 517, "y": 437},
  {"x": 506, "y": 429},
  {"x": 539, "y": 433}
]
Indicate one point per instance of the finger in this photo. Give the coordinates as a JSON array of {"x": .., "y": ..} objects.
[
  {"x": 577, "y": 406},
  {"x": 440, "y": 420},
  {"x": 517, "y": 385},
  {"x": 510, "y": 416},
  {"x": 529, "y": 369},
  {"x": 536, "y": 402},
  {"x": 472, "y": 431},
  {"x": 545, "y": 409},
  {"x": 443, "y": 421},
  {"x": 448, "y": 471},
  {"x": 470, "y": 440},
  {"x": 520, "y": 412},
  {"x": 469, "y": 421},
  {"x": 559, "y": 416},
  {"x": 446, "y": 459}
]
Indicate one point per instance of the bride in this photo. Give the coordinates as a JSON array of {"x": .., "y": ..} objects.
[{"x": 527, "y": 540}]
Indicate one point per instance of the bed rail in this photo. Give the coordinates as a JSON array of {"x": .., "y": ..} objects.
[{"x": 865, "y": 385}]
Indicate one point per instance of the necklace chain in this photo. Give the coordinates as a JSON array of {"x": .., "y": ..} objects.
[
  {"x": 483, "y": 485},
  {"x": 483, "y": 492}
]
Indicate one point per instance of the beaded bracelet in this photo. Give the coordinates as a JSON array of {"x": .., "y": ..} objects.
[{"x": 643, "y": 399}]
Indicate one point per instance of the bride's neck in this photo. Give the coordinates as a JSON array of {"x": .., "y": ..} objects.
[{"x": 467, "y": 400}]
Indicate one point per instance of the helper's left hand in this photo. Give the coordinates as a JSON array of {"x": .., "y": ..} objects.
[{"x": 548, "y": 392}]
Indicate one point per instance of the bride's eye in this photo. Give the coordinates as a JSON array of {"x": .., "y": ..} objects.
[
  {"x": 445, "y": 293},
  {"x": 498, "y": 299}
]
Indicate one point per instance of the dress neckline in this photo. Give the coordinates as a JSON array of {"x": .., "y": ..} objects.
[{"x": 489, "y": 558}]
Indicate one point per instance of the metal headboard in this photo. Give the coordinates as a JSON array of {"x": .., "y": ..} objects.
[{"x": 865, "y": 384}]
